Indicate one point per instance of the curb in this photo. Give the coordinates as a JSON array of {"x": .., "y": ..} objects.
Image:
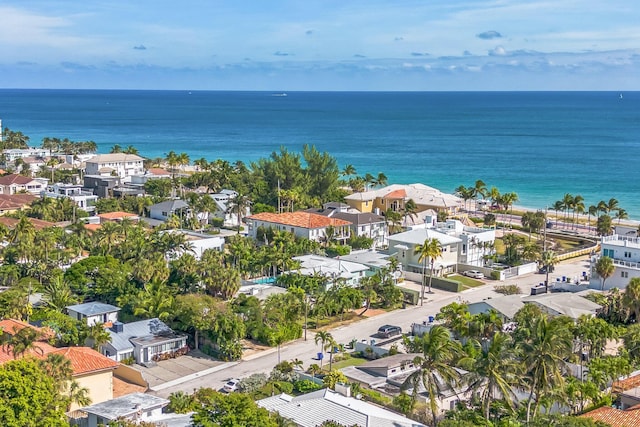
[{"x": 192, "y": 376}]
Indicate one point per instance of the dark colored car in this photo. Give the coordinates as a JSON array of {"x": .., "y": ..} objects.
[{"x": 387, "y": 331}]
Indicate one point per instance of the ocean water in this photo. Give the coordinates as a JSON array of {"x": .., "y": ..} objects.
[{"x": 539, "y": 145}]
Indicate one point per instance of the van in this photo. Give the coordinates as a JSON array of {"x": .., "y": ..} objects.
[{"x": 387, "y": 331}]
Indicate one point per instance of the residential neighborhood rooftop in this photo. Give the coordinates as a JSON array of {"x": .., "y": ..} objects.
[
  {"x": 126, "y": 406},
  {"x": 312, "y": 409},
  {"x": 93, "y": 308},
  {"x": 299, "y": 219},
  {"x": 85, "y": 360}
]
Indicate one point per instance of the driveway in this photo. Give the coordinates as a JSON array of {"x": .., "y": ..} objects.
[{"x": 175, "y": 369}]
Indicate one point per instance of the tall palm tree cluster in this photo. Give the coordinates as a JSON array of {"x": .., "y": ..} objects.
[
  {"x": 518, "y": 374},
  {"x": 66, "y": 146},
  {"x": 361, "y": 183},
  {"x": 573, "y": 206},
  {"x": 480, "y": 191}
]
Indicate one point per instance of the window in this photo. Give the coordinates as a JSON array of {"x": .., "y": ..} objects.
[
  {"x": 627, "y": 254},
  {"x": 608, "y": 253},
  {"x": 624, "y": 274}
]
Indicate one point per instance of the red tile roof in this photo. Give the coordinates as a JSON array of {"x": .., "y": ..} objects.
[
  {"x": 299, "y": 219},
  {"x": 110, "y": 216},
  {"x": 85, "y": 360},
  {"x": 396, "y": 194},
  {"x": 626, "y": 384},
  {"x": 158, "y": 171},
  {"x": 15, "y": 201},
  {"x": 14, "y": 178},
  {"x": 37, "y": 223},
  {"x": 42, "y": 348},
  {"x": 13, "y": 326},
  {"x": 615, "y": 417},
  {"x": 92, "y": 227}
]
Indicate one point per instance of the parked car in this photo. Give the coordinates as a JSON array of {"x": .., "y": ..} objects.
[
  {"x": 387, "y": 331},
  {"x": 231, "y": 385},
  {"x": 474, "y": 273}
]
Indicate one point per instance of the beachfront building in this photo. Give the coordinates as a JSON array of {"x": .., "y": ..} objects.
[
  {"x": 302, "y": 224},
  {"x": 12, "y": 154},
  {"x": 625, "y": 253},
  {"x": 115, "y": 164},
  {"x": 395, "y": 196},
  {"x": 85, "y": 200},
  {"x": 363, "y": 224},
  {"x": 14, "y": 183}
]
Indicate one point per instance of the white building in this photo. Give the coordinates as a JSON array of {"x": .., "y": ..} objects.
[
  {"x": 92, "y": 313},
  {"x": 133, "y": 407},
  {"x": 332, "y": 268},
  {"x": 120, "y": 164},
  {"x": 313, "y": 409},
  {"x": 303, "y": 224},
  {"x": 85, "y": 200},
  {"x": 625, "y": 253},
  {"x": 404, "y": 245},
  {"x": 14, "y": 183},
  {"x": 12, "y": 154}
]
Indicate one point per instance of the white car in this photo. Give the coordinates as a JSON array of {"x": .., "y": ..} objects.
[
  {"x": 231, "y": 385},
  {"x": 473, "y": 273}
]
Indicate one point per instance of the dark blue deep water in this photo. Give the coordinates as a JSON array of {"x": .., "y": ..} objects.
[{"x": 537, "y": 144}]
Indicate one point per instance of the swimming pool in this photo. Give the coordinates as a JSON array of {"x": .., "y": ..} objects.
[{"x": 264, "y": 281}]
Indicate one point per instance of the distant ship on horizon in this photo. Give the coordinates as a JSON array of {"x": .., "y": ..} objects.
[{"x": 279, "y": 94}]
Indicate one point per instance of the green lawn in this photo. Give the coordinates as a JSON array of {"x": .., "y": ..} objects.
[
  {"x": 467, "y": 282},
  {"x": 351, "y": 361}
]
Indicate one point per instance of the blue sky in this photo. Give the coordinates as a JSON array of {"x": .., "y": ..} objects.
[{"x": 321, "y": 45}]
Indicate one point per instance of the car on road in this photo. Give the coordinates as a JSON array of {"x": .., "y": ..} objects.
[
  {"x": 387, "y": 331},
  {"x": 474, "y": 274},
  {"x": 231, "y": 385}
]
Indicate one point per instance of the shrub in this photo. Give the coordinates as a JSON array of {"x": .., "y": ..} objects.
[
  {"x": 252, "y": 383},
  {"x": 306, "y": 386},
  {"x": 338, "y": 250},
  {"x": 361, "y": 242},
  {"x": 508, "y": 289}
]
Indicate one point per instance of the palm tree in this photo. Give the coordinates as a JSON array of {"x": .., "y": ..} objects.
[
  {"x": 78, "y": 395},
  {"x": 548, "y": 260},
  {"x": 604, "y": 269},
  {"x": 436, "y": 372},
  {"x": 631, "y": 297},
  {"x": 23, "y": 341},
  {"x": 410, "y": 209},
  {"x": 567, "y": 203},
  {"x": 479, "y": 189},
  {"x": 323, "y": 337},
  {"x": 97, "y": 335},
  {"x": 549, "y": 344},
  {"x": 57, "y": 294},
  {"x": 430, "y": 250},
  {"x": 612, "y": 205},
  {"x": 348, "y": 171},
  {"x": 592, "y": 211},
  {"x": 495, "y": 372},
  {"x": 621, "y": 214}
]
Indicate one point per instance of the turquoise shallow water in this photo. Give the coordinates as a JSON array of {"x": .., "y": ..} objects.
[{"x": 537, "y": 144}]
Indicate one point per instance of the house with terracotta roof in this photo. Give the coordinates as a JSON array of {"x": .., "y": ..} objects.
[
  {"x": 91, "y": 370},
  {"x": 117, "y": 216},
  {"x": 10, "y": 203},
  {"x": 302, "y": 224},
  {"x": 616, "y": 417},
  {"x": 363, "y": 224},
  {"x": 119, "y": 164},
  {"x": 39, "y": 224},
  {"x": 395, "y": 196},
  {"x": 14, "y": 183}
]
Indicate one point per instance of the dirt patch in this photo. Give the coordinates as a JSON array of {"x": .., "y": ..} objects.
[
  {"x": 251, "y": 347},
  {"x": 122, "y": 388},
  {"x": 371, "y": 312}
]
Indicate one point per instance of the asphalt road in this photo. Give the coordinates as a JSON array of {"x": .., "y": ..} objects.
[{"x": 366, "y": 328}]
